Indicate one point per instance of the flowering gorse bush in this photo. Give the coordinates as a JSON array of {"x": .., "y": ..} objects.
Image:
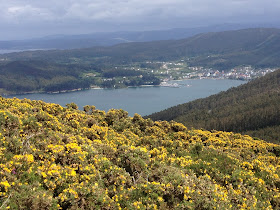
[{"x": 62, "y": 158}]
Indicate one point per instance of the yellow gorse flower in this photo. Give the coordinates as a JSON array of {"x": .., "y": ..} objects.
[{"x": 58, "y": 157}]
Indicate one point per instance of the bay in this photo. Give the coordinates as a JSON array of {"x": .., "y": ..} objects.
[{"x": 141, "y": 100}]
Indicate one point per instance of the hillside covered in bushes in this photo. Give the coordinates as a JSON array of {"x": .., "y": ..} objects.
[{"x": 63, "y": 158}]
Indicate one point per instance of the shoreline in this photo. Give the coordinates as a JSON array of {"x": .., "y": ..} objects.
[
  {"x": 99, "y": 88},
  {"x": 46, "y": 92}
]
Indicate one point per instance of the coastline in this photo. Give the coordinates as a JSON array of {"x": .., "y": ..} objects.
[
  {"x": 169, "y": 83},
  {"x": 46, "y": 92}
]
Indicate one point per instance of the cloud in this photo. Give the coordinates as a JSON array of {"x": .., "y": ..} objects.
[
  {"x": 127, "y": 10},
  {"x": 159, "y": 13}
]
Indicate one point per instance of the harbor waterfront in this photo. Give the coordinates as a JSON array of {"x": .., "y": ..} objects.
[{"x": 142, "y": 100}]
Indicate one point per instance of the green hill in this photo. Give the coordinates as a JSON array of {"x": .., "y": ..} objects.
[
  {"x": 62, "y": 158},
  {"x": 18, "y": 77},
  {"x": 27, "y": 76},
  {"x": 111, "y": 38},
  {"x": 252, "y": 108},
  {"x": 258, "y": 47}
]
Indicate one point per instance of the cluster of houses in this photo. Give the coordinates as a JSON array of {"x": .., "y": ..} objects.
[{"x": 241, "y": 73}]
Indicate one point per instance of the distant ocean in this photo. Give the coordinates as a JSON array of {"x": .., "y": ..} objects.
[
  {"x": 15, "y": 50},
  {"x": 9, "y": 51}
]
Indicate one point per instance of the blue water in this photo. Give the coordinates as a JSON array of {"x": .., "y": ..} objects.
[{"x": 141, "y": 100}]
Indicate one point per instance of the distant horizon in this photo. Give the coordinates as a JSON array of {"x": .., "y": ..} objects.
[{"x": 231, "y": 26}]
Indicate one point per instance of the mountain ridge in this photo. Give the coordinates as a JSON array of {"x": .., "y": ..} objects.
[
  {"x": 62, "y": 41},
  {"x": 221, "y": 50}
]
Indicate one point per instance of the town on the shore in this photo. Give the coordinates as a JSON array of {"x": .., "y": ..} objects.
[{"x": 180, "y": 70}]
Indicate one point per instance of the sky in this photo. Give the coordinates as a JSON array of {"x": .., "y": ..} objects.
[{"x": 20, "y": 19}]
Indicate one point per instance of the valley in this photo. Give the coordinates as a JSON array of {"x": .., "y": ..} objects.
[{"x": 140, "y": 105}]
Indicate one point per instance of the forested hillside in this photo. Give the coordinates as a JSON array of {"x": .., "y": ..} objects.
[
  {"x": 27, "y": 76},
  {"x": 62, "y": 158},
  {"x": 258, "y": 47},
  {"x": 252, "y": 108},
  {"x": 41, "y": 76}
]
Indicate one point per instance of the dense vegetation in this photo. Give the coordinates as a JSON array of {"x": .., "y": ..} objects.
[
  {"x": 223, "y": 50},
  {"x": 30, "y": 76},
  {"x": 62, "y": 158},
  {"x": 26, "y": 76},
  {"x": 252, "y": 108}
]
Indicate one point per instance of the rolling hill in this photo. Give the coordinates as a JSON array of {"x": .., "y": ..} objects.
[
  {"x": 28, "y": 76},
  {"x": 111, "y": 38},
  {"x": 252, "y": 108},
  {"x": 258, "y": 47},
  {"x": 18, "y": 77}
]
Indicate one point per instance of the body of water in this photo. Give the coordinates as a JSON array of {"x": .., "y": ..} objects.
[
  {"x": 3, "y": 51},
  {"x": 141, "y": 100}
]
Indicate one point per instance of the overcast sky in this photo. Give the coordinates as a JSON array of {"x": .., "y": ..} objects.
[{"x": 34, "y": 18}]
